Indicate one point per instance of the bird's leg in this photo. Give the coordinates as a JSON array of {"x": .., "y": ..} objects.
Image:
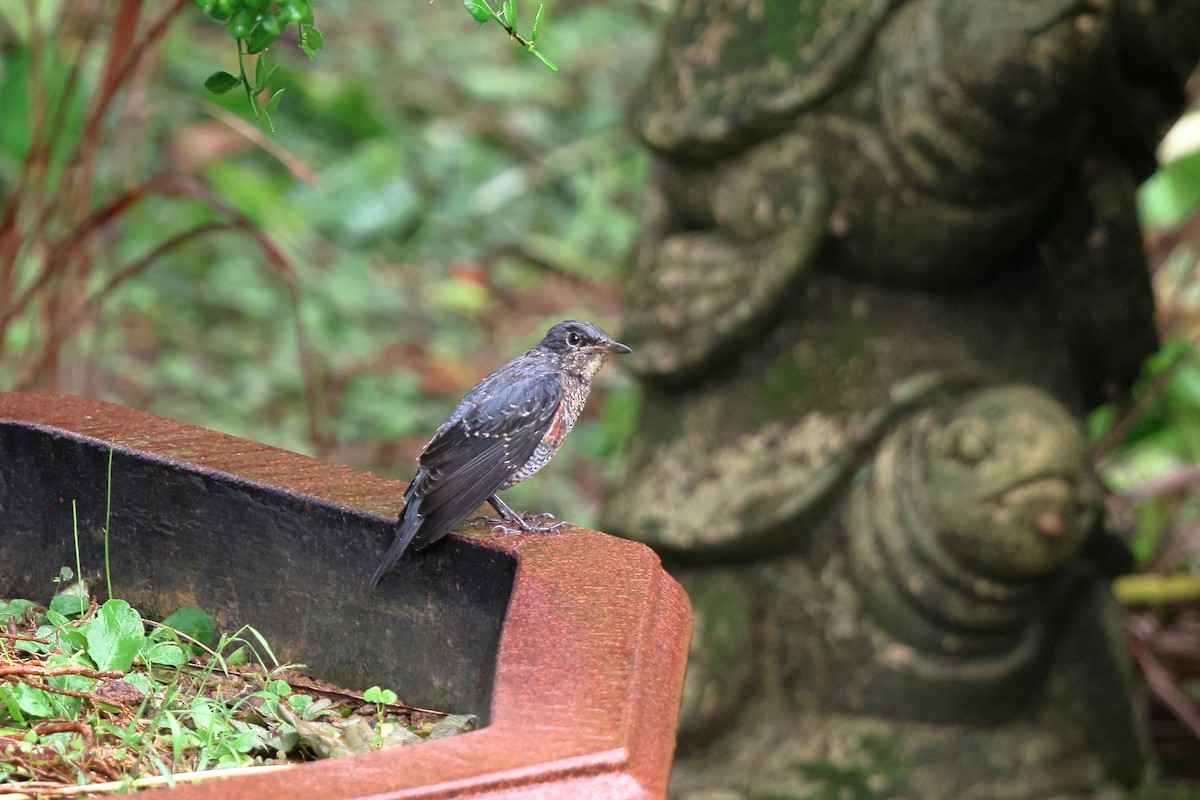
[{"x": 520, "y": 520}]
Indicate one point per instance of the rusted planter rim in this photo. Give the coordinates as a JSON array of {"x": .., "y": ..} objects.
[{"x": 590, "y": 664}]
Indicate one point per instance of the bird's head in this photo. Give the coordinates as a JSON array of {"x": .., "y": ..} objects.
[{"x": 581, "y": 345}]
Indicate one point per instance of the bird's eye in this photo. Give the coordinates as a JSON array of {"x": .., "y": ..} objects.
[{"x": 574, "y": 339}]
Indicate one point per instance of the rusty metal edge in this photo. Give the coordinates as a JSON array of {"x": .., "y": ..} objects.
[{"x": 592, "y": 653}]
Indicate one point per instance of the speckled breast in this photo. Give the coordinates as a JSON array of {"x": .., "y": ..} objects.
[{"x": 560, "y": 425}]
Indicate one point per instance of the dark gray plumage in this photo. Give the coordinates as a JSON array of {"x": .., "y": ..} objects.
[{"x": 503, "y": 431}]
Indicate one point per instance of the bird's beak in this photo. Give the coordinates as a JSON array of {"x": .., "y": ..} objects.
[{"x": 617, "y": 347}]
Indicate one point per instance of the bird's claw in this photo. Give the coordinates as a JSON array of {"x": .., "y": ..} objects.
[{"x": 523, "y": 524}]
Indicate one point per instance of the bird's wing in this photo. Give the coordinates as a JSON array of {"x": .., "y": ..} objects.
[{"x": 494, "y": 431}]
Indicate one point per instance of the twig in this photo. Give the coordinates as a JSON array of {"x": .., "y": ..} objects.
[
  {"x": 1149, "y": 589},
  {"x": 53, "y": 672},
  {"x": 65, "y": 725},
  {"x": 1120, "y": 429},
  {"x": 1160, "y": 680},
  {"x": 43, "y": 789},
  {"x": 546, "y": 265},
  {"x": 45, "y": 687},
  {"x": 150, "y": 623},
  {"x": 305, "y": 685},
  {"x": 298, "y": 169},
  {"x": 24, "y": 637},
  {"x": 67, "y": 320},
  {"x": 1180, "y": 479}
]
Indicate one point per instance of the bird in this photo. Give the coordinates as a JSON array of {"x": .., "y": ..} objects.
[{"x": 504, "y": 430}]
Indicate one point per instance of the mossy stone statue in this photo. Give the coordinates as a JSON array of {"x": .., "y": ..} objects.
[
  {"x": 914, "y": 143},
  {"x": 890, "y": 259}
]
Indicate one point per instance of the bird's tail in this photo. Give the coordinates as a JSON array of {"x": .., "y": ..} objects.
[{"x": 406, "y": 528}]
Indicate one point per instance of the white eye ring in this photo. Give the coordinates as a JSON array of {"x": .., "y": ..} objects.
[{"x": 574, "y": 339}]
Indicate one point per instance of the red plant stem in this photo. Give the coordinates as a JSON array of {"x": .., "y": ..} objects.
[
  {"x": 72, "y": 197},
  {"x": 1177, "y": 481},
  {"x": 31, "y": 183},
  {"x": 20, "y": 670},
  {"x": 64, "y": 267},
  {"x": 23, "y": 637},
  {"x": 63, "y": 726},
  {"x": 1161, "y": 681},
  {"x": 1120, "y": 429},
  {"x": 67, "y": 321},
  {"x": 55, "y": 690}
]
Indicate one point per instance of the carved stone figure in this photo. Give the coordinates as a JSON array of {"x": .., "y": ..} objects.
[{"x": 890, "y": 257}]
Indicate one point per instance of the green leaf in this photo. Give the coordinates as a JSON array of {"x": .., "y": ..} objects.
[
  {"x": 142, "y": 682},
  {"x": 239, "y": 657},
  {"x": 192, "y": 621},
  {"x": 298, "y": 11},
  {"x": 221, "y": 82},
  {"x": 301, "y": 704},
  {"x": 114, "y": 635},
  {"x": 242, "y": 23},
  {"x": 510, "y": 13},
  {"x": 311, "y": 41},
  {"x": 217, "y": 11},
  {"x": 478, "y": 9},
  {"x": 262, "y": 37},
  {"x": 166, "y": 654},
  {"x": 263, "y": 71},
  {"x": 14, "y": 608},
  {"x": 274, "y": 23},
  {"x": 273, "y": 103},
  {"x": 537, "y": 23},
  {"x": 378, "y": 695},
  {"x": 9, "y": 699},
  {"x": 69, "y": 604},
  {"x": 69, "y": 637},
  {"x": 31, "y": 701},
  {"x": 246, "y": 741},
  {"x": 264, "y": 121},
  {"x": 544, "y": 60}
]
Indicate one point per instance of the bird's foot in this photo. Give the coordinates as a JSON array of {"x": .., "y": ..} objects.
[
  {"x": 522, "y": 523},
  {"x": 501, "y": 530}
]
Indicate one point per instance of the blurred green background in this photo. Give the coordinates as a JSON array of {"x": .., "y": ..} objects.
[
  {"x": 440, "y": 197},
  {"x": 434, "y": 198}
]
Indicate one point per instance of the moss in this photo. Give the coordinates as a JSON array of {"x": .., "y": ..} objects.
[
  {"x": 883, "y": 773},
  {"x": 784, "y": 387}
]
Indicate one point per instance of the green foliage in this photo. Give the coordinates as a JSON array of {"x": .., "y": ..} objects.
[
  {"x": 1152, "y": 789},
  {"x": 1156, "y": 440},
  {"x": 1172, "y": 193},
  {"x": 193, "y": 623},
  {"x": 114, "y": 636},
  {"x": 1150, "y": 448},
  {"x": 184, "y": 707},
  {"x": 255, "y": 25},
  {"x": 883, "y": 773},
  {"x": 110, "y": 637},
  {"x": 382, "y": 698},
  {"x": 433, "y": 226},
  {"x": 506, "y": 17},
  {"x": 431, "y": 249}
]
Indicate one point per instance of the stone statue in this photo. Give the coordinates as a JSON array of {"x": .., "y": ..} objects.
[{"x": 890, "y": 258}]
